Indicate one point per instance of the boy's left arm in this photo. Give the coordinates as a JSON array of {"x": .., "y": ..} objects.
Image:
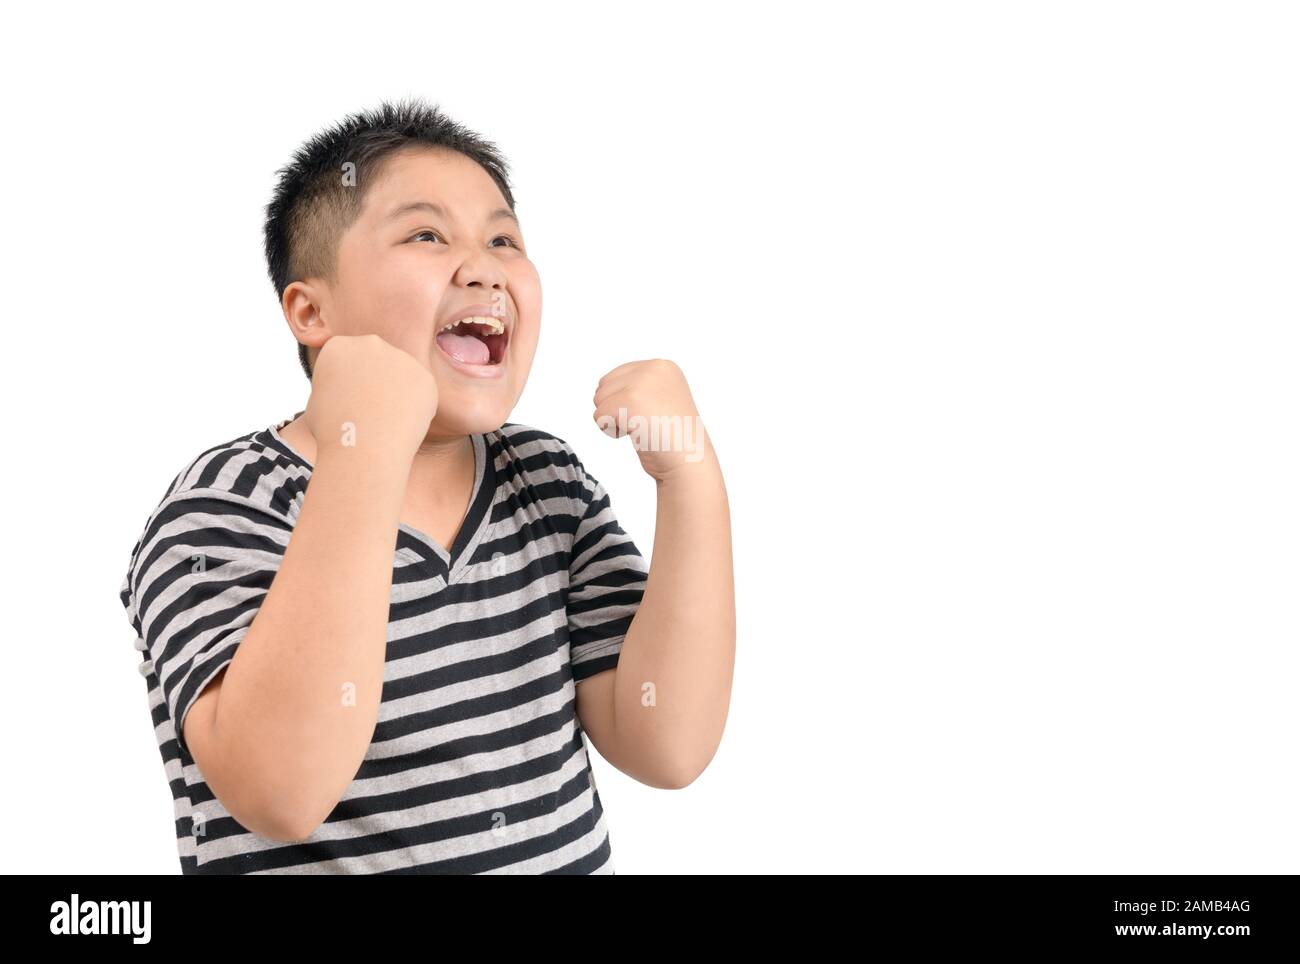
[{"x": 659, "y": 715}]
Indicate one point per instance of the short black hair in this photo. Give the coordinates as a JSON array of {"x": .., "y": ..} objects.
[{"x": 318, "y": 196}]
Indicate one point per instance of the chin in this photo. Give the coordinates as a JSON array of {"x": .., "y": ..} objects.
[{"x": 471, "y": 416}]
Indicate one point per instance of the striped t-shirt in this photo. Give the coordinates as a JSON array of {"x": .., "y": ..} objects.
[{"x": 478, "y": 763}]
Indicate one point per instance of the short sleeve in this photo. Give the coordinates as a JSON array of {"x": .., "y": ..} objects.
[
  {"x": 607, "y": 578},
  {"x": 197, "y": 577}
]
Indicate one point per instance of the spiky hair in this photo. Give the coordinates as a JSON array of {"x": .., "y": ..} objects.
[{"x": 322, "y": 190}]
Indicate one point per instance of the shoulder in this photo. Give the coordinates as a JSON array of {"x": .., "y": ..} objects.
[
  {"x": 253, "y": 469},
  {"x": 250, "y": 476},
  {"x": 548, "y": 464},
  {"x": 246, "y": 490},
  {"x": 537, "y": 452}
]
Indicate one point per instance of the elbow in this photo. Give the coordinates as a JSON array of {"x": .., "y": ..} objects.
[
  {"x": 265, "y": 792},
  {"x": 684, "y": 767},
  {"x": 294, "y": 834},
  {"x": 660, "y": 777},
  {"x": 289, "y": 825},
  {"x": 678, "y": 776},
  {"x": 664, "y": 770},
  {"x": 281, "y": 817},
  {"x": 681, "y": 779},
  {"x": 299, "y": 817}
]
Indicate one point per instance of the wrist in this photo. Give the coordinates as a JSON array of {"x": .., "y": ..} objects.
[
  {"x": 377, "y": 461},
  {"x": 703, "y": 473}
]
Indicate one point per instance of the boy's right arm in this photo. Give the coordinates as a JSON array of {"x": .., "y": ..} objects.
[{"x": 280, "y": 733}]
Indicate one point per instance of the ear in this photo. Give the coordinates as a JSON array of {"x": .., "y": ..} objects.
[{"x": 303, "y": 303}]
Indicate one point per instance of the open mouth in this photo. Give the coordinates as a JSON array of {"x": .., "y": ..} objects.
[{"x": 479, "y": 340}]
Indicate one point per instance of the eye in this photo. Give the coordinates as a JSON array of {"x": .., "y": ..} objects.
[{"x": 510, "y": 242}]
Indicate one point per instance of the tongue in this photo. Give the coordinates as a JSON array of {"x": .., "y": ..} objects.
[{"x": 464, "y": 348}]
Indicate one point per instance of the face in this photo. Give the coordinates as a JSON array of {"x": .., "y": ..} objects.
[{"x": 435, "y": 241}]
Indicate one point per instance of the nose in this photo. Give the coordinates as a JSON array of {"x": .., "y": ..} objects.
[{"x": 478, "y": 270}]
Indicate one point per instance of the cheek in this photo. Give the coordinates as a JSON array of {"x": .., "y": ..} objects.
[
  {"x": 409, "y": 285},
  {"x": 524, "y": 348},
  {"x": 402, "y": 303},
  {"x": 527, "y": 288}
]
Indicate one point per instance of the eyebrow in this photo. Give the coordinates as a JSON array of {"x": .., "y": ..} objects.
[{"x": 438, "y": 209}]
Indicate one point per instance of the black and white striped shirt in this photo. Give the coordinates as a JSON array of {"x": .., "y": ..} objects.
[{"x": 478, "y": 762}]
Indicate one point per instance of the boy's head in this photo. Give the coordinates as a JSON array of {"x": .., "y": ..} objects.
[{"x": 394, "y": 222}]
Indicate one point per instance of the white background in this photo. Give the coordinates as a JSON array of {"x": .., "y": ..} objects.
[{"x": 990, "y": 309}]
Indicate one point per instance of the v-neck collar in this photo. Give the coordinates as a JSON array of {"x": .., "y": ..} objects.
[{"x": 478, "y": 517}]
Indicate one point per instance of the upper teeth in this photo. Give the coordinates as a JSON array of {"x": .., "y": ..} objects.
[{"x": 493, "y": 323}]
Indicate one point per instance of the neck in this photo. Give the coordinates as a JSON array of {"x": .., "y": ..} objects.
[
  {"x": 439, "y": 462},
  {"x": 437, "y": 467}
]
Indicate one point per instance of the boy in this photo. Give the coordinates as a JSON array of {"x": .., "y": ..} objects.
[{"x": 375, "y": 634}]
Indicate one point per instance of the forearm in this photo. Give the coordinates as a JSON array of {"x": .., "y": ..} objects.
[
  {"x": 301, "y": 697},
  {"x": 673, "y": 682}
]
